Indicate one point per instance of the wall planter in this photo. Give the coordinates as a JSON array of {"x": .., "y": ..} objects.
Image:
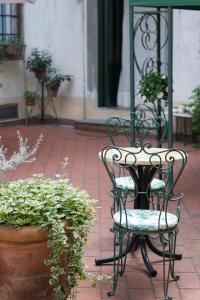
[{"x": 14, "y": 51}]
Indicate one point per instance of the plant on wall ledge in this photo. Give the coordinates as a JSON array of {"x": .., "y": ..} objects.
[
  {"x": 153, "y": 86},
  {"x": 12, "y": 48}
]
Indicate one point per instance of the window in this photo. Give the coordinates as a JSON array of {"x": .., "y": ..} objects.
[{"x": 9, "y": 21}]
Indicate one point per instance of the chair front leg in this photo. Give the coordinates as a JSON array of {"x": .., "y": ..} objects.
[
  {"x": 168, "y": 247},
  {"x": 119, "y": 264}
]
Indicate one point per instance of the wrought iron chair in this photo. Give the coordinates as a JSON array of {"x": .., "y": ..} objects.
[
  {"x": 139, "y": 216},
  {"x": 118, "y": 130}
]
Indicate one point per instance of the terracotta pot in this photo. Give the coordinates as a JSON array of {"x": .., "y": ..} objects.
[
  {"x": 14, "y": 51},
  {"x": 40, "y": 74},
  {"x": 23, "y": 274},
  {"x": 30, "y": 102},
  {"x": 52, "y": 91}
]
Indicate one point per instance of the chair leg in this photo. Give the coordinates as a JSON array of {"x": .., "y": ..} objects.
[
  {"x": 119, "y": 265},
  {"x": 172, "y": 261},
  {"x": 167, "y": 271}
]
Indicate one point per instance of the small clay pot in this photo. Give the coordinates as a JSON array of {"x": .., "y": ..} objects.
[
  {"x": 40, "y": 74},
  {"x": 52, "y": 91},
  {"x": 30, "y": 102}
]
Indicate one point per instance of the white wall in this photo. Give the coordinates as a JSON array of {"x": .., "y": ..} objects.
[
  {"x": 54, "y": 25},
  {"x": 186, "y": 56},
  {"x": 186, "y": 53},
  {"x": 57, "y": 25}
]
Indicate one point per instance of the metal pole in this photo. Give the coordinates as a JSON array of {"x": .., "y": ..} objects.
[
  {"x": 42, "y": 102},
  {"x": 170, "y": 77},
  {"x": 132, "y": 74},
  {"x": 159, "y": 130}
]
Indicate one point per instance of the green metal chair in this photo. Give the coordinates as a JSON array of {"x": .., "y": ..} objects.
[
  {"x": 118, "y": 130},
  {"x": 137, "y": 215}
]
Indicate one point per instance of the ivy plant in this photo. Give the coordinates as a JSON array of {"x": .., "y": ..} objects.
[
  {"x": 48, "y": 203},
  {"x": 153, "y": 86}
]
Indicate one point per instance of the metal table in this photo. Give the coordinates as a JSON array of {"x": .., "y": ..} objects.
[
  {"x": 146, "y": 171},
  {"x": 184, "y": 117}
]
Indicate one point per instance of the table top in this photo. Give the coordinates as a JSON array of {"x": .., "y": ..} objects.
[
  {"x": 146, "y": 156},
  {"x": 182, "y": 115}
]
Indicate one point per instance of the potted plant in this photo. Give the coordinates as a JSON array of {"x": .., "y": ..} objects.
[
  {"x": 43, "y": 230},
  {"x": 39, "y": 62},
  {"x": 30, "y": 98},
  {"x": 195, "y": 111},
  {"x": 53, "y": 82},
  {"x": 153, "y": 86},
  {"x": 14, "y": 48}
]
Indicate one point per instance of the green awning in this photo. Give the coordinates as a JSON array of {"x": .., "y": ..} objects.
[{"x": 185, "y": 4}]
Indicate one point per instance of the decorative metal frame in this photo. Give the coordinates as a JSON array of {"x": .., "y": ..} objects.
[
  {"x": 148, "y": 24},
  {"x": 161, "y": 162}
]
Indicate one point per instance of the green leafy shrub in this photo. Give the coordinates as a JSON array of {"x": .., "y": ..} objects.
[
  {"x": 153, "y": 86},
  {"x": 55, "y": 79},
  {"x": 38, "y": 60},
  {"x": 46, "y": 203},
  {"x": 31, "y": 95},
  {"x": 196, "y": 113}
]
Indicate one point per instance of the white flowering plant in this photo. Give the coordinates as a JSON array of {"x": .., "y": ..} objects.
[
  {"x": 153, "y": 86},
  {"x": 24, "y": 154}
]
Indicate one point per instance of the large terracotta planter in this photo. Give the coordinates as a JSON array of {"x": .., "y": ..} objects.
[{"x": 23, "y": 275}]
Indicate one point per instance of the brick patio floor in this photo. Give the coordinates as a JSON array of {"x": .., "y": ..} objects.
[{"x": 86, "y": 171}]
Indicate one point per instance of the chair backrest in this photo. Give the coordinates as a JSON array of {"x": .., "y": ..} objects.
[
  {"x": 119, "y": 129},
  {"x": 144, "y": 165}
]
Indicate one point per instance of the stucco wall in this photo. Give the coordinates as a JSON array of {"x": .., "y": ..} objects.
[
  {"x": 186, "y": 53},
  {"x": 68, "y": 29},
  {"x": 58, "y": 27}
]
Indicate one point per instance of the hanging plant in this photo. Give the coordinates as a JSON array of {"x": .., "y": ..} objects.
[{"x": 153, "y": 86}]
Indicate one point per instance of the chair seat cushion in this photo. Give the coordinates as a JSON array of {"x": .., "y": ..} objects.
[
  {"x": 141, "y": 220},
  {"x": 127, "y": 183}
]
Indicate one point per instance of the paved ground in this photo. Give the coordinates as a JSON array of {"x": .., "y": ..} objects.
[{"x": 86, "y": 171}]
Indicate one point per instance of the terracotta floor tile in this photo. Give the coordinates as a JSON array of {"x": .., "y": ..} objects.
[{"x": 85, "y": 170}]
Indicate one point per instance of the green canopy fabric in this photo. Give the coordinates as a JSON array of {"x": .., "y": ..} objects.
[{"x": 185, "y": 4}]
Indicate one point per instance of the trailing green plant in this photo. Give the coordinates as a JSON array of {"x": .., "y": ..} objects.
[
  {"x": 196, "y": 113},
  {"x": 55, "y": 79},
  {"x": 31, "y": 95},
  {"x": 39, "y": 60},
  {"x": 153, "y": 86},
  {"x": 15, "y": 41},
  {"x": 47, "y": 203}
]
